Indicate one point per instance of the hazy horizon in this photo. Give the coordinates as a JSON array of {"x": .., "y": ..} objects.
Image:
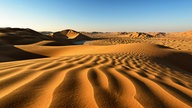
[{"x": 97, "y": 15}]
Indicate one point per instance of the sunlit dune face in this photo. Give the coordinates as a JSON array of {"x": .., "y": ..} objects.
[
  {"x": 134, "y": 75},
  {"x": 72, "y": 34},
  {"x": 118, "y": 54},
  {"x": 111, "y": 70}
]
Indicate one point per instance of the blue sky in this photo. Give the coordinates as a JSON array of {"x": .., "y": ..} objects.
[{"x": 97, "y": 15}]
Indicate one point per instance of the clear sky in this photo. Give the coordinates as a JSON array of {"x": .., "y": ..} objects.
[{"x": 97, "y": 15}]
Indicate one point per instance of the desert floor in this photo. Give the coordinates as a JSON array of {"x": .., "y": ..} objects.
[{"x": 116, "y": 72}]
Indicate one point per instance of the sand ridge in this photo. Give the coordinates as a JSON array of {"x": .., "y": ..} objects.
[
  {"x": 136, "y": 48},
  {"x": 112, "y": 72},
  {"x": 96, "y": 80}
]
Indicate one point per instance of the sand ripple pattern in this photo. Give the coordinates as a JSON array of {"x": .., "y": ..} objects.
[{"x": 94, "y": 81}]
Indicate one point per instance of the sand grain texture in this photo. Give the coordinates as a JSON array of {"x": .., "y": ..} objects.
[{"x": 133, "y": 75}]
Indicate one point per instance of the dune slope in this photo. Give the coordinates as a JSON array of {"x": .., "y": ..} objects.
[{"x": 117, "y": 76}]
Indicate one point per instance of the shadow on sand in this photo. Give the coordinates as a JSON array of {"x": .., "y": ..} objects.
[{"x": 11, "y": 53}]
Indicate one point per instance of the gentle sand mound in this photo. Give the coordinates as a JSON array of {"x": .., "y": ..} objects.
[
  {"x": 134, "y": 48},
  {"x": 182, "y": 35},
  {"x": 11, "y": 53},
  {"x": 117, "y": 76}
]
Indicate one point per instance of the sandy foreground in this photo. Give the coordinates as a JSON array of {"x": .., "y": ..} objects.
[{"x": 154, "y": 73}]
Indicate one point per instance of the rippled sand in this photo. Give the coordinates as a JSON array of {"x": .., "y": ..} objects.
[{"x": 90, "y": 76}]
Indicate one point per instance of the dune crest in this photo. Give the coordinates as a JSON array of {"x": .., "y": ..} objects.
[{"x": 69, "y": 34}]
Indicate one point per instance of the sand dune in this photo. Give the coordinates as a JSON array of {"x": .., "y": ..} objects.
[
  {"x": 119, "y": 70},
  {"x": 18, "y": 36},
  {"x": 11, "y": 53},
  {"x": 186, "y": 34},
  {"x": 132, "y": 75},
  {"x": 69, "y": 34}
]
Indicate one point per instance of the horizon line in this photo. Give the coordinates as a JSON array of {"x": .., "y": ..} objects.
[{"x": 93, "y": 30}]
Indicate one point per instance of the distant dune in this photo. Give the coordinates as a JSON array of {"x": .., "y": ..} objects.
[
  {"x": 20, "y": 36},
  {"x": 107, "y": 70},
  {"x": 70, "y": 34},
  {"x": 186, "y": 34}
]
